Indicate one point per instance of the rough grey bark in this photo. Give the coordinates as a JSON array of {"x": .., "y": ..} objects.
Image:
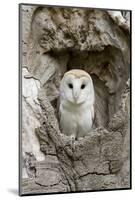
[{"x": 55, "y": 40}]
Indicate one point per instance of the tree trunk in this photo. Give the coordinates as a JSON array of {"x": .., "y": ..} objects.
[{"x": 53, "y": 41}]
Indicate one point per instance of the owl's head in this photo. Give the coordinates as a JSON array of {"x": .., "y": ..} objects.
[{"x": 77, "y": 87}]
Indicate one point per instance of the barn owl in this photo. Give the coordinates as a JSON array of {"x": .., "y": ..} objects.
[{"x": 76, "y": 103}]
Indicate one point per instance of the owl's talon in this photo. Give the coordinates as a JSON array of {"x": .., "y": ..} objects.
[{"x": 73, "y": 142}]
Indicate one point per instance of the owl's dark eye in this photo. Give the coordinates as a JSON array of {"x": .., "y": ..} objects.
[
  {"x": 83, "y": 86},
  {"x": 70, "y": 85}
]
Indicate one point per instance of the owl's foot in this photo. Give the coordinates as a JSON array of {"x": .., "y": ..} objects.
[{"x": 73, "y": 142}]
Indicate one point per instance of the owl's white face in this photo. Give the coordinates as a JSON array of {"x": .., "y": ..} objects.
[{"x": 77, "y": 87}]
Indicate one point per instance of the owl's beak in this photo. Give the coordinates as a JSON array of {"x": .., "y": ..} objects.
[
  {"x": 76, "y": 91},
  {"x": 76, "y": 95}
]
